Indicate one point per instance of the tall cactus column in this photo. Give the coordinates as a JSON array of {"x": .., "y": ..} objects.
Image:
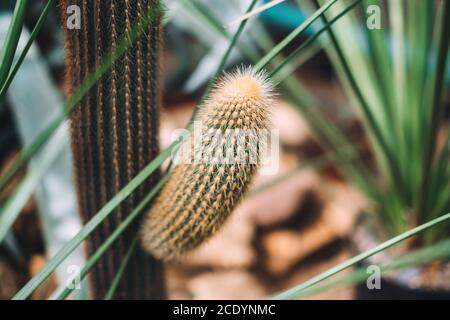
[{"x": 114, "y": 131}]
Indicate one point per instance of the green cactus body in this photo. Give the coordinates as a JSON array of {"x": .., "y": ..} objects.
[
  {"x": 114, "y": 131},
  {"x": 214, "y": 170}
]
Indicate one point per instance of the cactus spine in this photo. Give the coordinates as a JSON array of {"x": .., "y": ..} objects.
[
  {"x": 114, "y": 131},
  {"x": 214, "y": 171}
]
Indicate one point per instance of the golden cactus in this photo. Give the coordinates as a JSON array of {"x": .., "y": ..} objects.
[{"x": 214, "y": 170}]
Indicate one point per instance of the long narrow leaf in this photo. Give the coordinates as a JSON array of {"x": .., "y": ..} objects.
[
  {"x": 25, "y": 189},
  {"x": 113, "y": 237},
  {"x": 34, "y": 33},
  {"x": 422, "y": 256},
  {"x": 12, "y": 39},
  {"x": 223, "y": 61},
  {"x": 294, "y": 34}
]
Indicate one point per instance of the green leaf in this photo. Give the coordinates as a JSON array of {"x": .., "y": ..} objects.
[
  {"x": 115, "y": 283},
  {"x": 294, "y": 34},
  {"x": 436, "y": 103},
  {"x": 34, "y": 33},
  {"x": 12, "y": 39}
]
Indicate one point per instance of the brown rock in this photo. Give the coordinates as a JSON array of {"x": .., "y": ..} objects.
[
  {"x": 9, "y": 280},
  {"x": 233, "y": 284},
  {"x": 293, "y": 128},
  {"x": 229, "y": 248},
  {"x": 176, "y": 278},
  {"x": 285, "y": 248},
  {"x": 275, "y": 198},
  {"x": 344, "y": 205}
]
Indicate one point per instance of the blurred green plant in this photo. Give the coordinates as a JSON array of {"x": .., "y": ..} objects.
[
  {"x": 396, "y": 79},
  {"x": 12, "y": 39}
]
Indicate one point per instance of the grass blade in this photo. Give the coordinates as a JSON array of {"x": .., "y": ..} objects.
[
  {"x": 25, "y": 189},
  {"x": 12, "y": 39},
  {"x": 294, "y": 34},
  {"x": 437, "y": 103},
  {"x": 34, "y": 33},
  {"x": 255, "y": 12},
  {"x": 115, "y": 284},
  {"x": 311, "y": 39},
  {"x": 223, "y": 61},
  {"x": 422, "y": 256}
]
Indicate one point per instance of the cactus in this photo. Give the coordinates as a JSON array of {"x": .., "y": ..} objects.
[
  {"x": 213, "y": 171},
  {"x": 114, "y": 131}
]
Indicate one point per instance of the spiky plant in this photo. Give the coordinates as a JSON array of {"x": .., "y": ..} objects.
[
  {"x": 114, "y": 131},
  {"x": 215, "y": 169}
]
